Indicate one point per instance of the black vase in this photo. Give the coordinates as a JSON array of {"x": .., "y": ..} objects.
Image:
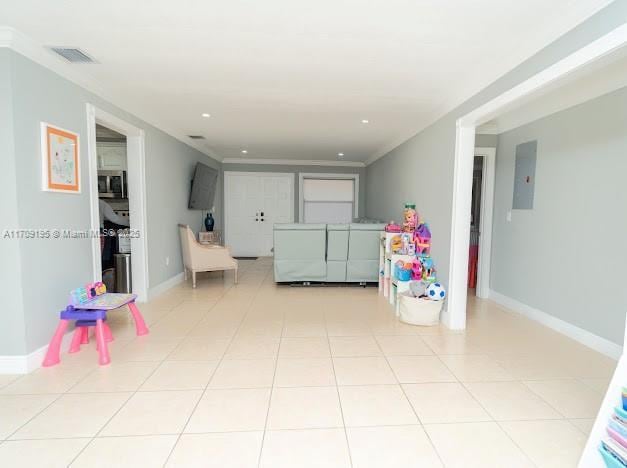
[{"x": 209, "y": 222}]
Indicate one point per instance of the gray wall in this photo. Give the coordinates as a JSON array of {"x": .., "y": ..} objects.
[
  {"x": 308, "y": 169},
  {"x": 567, "y": 255},
  {"x": 486, "y": 141},
  {"x": 54, "y": 267},
  {"x": 421, "y": 169},
  {"x": 11, "y": 318}
]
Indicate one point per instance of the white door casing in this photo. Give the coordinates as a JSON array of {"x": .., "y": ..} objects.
[{"x": 253, "y": 203}]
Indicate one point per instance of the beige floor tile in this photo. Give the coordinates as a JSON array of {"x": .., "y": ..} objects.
[
  {"x": 146, "y": 348},
  {"x": 363, "y": 371},
  {"x": 73, "y": 415},
  {"x": 584, "y": 425},
  {"x": 305, "y": 329},
  {"x": 180, "y": 375},
  {"x": 476, "y": 368},
  {"x": 444, "y": 403},
  {"x": 304, "y": 372},
  {"x": 403, "y": 346},
  {"x": 16, "y": 410},
  {"x": 348, "y": 328},
  {"x": 554, "y": 444},
  {"x": 475, "y": 445},
  {"x": 149, "y": 413},
  {"x": 230, "y": 410},
  {"x": 116, "y": 377},
  {"x": 398, "y": 447},
  {"x": 570, "y": 397},
  {"x": 420, "y": 369},
  {"x": 126, "y": 452},
  {"x": 304, "y": 408},
  {"x": 452, "y": 344},
  {"x": 219, "y": 450},
  {"x": 308, "y": 347},
  {"x": 511, "y": 401},
  {"x": 54, "y": 453},
  {"x": 354, "y": 346},
  {"x": 309, "y": 448},
  {"x": 199, "y": 349},
  {"x": 376, "y": 405},
  {"x": 6, "y": 379},
  {"x": 253, "y": 347},
  {"x": 57, "y": 379},
  {"x": 532, "y": 367},
  {"x": 243, "y": 373}
]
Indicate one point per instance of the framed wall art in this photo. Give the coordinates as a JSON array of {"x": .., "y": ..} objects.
[{"x": 60, "y": 159}]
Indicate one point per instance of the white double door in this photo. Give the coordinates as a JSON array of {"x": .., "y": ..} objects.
[{"x": 253, "y": 203}]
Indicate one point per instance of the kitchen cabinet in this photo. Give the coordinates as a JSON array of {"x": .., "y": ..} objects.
[{"x": 111, "y": 156}]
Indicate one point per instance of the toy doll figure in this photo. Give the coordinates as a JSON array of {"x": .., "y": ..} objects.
[{"x": 410, "y": 218}]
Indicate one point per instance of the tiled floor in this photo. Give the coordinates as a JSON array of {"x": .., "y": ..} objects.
[{"x": 259, "y": 375}]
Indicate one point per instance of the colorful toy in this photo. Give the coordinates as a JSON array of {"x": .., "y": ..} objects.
[
  {"x": 428, "y": 269},
  {"x": 416, "y": 269},
  {"x": 408, "y": 241},
  {"x": 422, "y": 238},
  {"x": 392, "y": 227},
  {"x": 410, "y": 218},
  {"x": 88, "y": 308},
  {"x": 396, "y": 244},
  {"x": 436, "y": 292},
  {"x": 402, "y": 271}
]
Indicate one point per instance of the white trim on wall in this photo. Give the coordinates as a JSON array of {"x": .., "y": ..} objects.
[
  {"x": 25, "y": 363},
  {"x": 136, "y": 165},
  {"x": 314, "y": 175},
  {"x": 485, "y": 221},
  {"x": 465, "y": 151},
  {"x": 580, "y": 335},
  {"x": 294, "y": 162}
]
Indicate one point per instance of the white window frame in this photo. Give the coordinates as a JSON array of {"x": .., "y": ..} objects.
[{"x": 315, "y": 175}]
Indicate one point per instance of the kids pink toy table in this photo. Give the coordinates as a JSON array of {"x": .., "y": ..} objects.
[{"x": 92, "y": 313}]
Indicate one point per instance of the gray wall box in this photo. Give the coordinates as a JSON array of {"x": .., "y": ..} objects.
[{"x": 525, "y": 175}]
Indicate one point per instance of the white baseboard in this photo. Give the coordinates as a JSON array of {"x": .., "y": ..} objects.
[
  {"x": 167, "y": 284},
  {"x": 580, "y": 335},
  {"x": 25, "y": 363}
]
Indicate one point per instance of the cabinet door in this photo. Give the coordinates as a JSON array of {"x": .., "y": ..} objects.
[{"x": 111, "y": 157}]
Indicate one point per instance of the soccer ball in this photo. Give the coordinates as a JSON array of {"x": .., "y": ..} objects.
[{"x": 436, "y": 292}]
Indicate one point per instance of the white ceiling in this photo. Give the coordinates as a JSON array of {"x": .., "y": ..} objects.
[{"x": 290, "y": 79}]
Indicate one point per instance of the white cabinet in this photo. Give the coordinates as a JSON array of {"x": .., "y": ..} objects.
[{"x": 111, "y": 156}]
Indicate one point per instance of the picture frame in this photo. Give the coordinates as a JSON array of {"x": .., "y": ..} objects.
[{"x": 60, "y": 154}]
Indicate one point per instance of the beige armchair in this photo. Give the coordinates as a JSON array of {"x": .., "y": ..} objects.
[{"x": 198, "y": 257}]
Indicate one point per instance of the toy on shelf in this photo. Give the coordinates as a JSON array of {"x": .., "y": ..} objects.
[
  {"x": 396, "y": 244},
  {"x": 416, "y": 270},
  {"x": 428, "y": 269},
  {"x": 403, "y": 270},
  {"x": 392, "y": 227},
  {"x": 435, "y": 292},
  {"x": 410, "y": 218},
  {"x": 422, "y": 238}
]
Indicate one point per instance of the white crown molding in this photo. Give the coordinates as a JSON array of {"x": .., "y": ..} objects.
[
  {"x": 78, "y": 74},
  {"x": 294, "y": 162}
]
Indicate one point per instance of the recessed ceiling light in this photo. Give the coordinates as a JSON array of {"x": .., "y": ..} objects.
[
  {"x": 244, "y": 151},
  {"x": 364, "y": 121},
  {"x": 340, "y": 155},
  {"x": 204, "y": 114}
]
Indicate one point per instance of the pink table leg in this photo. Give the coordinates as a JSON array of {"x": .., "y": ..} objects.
[
  {"x": 76, "y": 340},
  {"x": 85, "y": 336},
  {"x": 103, "y": 350},
  {"x": 140, "y": 325},
  {"x": 52, "y": 355},
  {"x": 107, "y": 332}
]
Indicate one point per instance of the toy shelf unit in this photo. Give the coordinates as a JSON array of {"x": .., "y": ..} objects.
[
  {"x": 607, "y": 429},
  {"x": 389, "y": 285}
]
